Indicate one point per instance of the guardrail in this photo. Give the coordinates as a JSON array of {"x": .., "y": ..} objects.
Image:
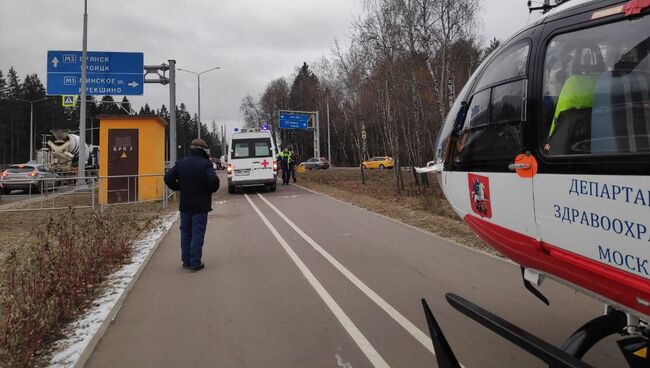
[{"x": 83, "y": 192}]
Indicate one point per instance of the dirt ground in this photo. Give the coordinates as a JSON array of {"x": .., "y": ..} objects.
[
  {"x": 421, "y": 206},
  {"x": 18, "y": 226}
]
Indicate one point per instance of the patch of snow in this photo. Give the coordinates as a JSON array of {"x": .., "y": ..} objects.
[{"x": 80, "y": 332}]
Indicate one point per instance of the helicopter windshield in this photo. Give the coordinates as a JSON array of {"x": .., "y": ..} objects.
[
  {"x": 596, "y": 98},
  {"x": 452, "y": 116},
  {"x": 493, "y": 112}
]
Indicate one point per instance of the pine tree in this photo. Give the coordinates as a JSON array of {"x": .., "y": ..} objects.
[
  {"x": 304, "y": 90},
  {"x": 16, "y": 124},
  {"x": 303, "y": 96},
  {"x": 33, "y": 90},
  {"x": 494, "y": 44},
  {"x": 164, "y": 113},
  {"x": 107, "y": 107},
  {"x": 126, "y": 105},
  {"x": 145, "y": 110}
]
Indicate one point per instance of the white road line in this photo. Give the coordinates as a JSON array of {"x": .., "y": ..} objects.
[
  {"x": 392, "y": 312},
  {"x": 358, "y": 337}
]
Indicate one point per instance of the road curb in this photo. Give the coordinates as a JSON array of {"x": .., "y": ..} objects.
[
  {"x": 99, "y": 334},
  {"x": 506, "y": 260}
]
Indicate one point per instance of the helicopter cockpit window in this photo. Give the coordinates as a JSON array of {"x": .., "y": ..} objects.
[
  {"x": 509, "y": 64},
  {"x": 596, "y": 97},
  {"x": 492, "y": 131}
]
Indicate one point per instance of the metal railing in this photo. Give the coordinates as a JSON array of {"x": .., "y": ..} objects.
[
  {"x": 90, "y": 192},
  {"x": 139, "y": 189}
]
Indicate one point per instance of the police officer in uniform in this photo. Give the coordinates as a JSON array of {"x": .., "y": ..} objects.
[{"x": 285, "y": 159}]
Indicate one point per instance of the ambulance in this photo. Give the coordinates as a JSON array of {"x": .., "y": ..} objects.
[{"x": 251, "y": 160}]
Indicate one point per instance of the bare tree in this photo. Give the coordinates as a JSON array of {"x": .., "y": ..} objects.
[{"x": 396, "y": 80}]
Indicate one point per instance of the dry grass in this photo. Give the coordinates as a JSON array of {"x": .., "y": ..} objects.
[
  {"x": 53, "y": 263},
  {"x": 422, "y": 206},
  {"x": 18, "y": 227}
]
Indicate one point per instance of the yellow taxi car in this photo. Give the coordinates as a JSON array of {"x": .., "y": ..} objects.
[{"x": 380, "y": 162}]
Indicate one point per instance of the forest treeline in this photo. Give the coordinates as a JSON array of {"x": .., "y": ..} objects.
[
  {"x": 15, "y": 95},
  {"x": 396, "y": 80}
]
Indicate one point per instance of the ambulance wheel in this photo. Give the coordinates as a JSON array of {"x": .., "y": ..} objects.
[
  {"x": 272, "y": 187},
  {"x": 231, "y": 189}
]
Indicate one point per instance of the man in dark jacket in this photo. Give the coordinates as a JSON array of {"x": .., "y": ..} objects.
[
  {"x": 195, "y": 178},
  {"x": 292, "y": 163}
]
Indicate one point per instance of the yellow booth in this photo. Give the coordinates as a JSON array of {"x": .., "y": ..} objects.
[{"x": 131, "y": 158}]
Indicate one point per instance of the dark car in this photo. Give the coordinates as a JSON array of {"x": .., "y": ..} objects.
[
  {"x": 315, "y": 163},
  {"x": 30, "y": 178}
]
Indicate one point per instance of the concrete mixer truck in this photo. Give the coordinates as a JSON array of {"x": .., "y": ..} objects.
[{"x": 61, "y": 152}]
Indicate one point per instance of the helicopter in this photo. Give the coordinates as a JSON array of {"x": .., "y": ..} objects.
[{"x": 545, "y": 154}]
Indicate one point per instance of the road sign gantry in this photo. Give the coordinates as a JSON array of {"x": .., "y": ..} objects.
[{"x": 107, "y": 73}]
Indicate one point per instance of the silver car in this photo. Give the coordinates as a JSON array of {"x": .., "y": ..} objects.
[
  {"x": 30, "y": 178},
  {"x": 315, "y": 163}
]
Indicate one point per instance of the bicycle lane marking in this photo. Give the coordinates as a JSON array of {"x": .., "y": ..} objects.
[
  {"x": 411, "y": 328},
  {"x": 371, "y": 353}
]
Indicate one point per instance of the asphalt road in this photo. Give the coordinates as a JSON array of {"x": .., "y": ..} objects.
[{"x": 296, "y": 279}]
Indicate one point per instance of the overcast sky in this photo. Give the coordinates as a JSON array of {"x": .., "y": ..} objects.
[{"x": 254, "y": 41}]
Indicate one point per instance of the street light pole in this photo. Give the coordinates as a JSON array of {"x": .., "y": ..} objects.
[
  {"x": 173, "y": 142},
  {"x": 82, "y": 109},
  {"x": 198, "y": 81},
  {"x": 198, "y": 78},
  {"x": 31, "y": 125},
  {"x": 329, "y": 146}
]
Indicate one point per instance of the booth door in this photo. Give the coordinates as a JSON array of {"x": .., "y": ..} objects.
[{"x": 122, "y": 161}]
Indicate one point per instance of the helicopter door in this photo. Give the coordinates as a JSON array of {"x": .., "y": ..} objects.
[
  {"x": 495, "y": 201},
  {"x": 592, "y": 194}
]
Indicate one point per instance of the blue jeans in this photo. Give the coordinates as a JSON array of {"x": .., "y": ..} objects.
[{"x": 193, "y": 226}]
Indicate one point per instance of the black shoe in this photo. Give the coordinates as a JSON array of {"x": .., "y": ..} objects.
[
  {"x": 294, "y": 180},
  {"x": 197, "y": 268},
  {"x": 186, "y": 266}
]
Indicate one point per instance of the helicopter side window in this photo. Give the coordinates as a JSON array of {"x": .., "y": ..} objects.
[
  {"x": 507, "y": 102},
  {"x": 478, "y": 111},
  {"x": 492, "y": 130},
  {"x": 596, "y": 98}
]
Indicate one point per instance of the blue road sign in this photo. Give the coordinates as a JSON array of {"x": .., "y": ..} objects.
[
  {"x": 293, "y": 121},
  {"x": 107, "y": 73}
]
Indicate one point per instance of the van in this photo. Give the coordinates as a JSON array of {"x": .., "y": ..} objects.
[{"x": 251, "y": 160}]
